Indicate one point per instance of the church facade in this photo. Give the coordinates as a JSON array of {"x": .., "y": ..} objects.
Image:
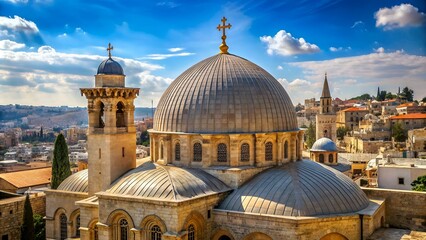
[{"x": 225, "y": 164}]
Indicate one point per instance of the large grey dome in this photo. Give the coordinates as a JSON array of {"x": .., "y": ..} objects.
[
  {"x": 78, "y": 182},
  {"x": 324, "y": 145},
  {"x": 302, "y": 188},
  {"x": 225, "y": 94},
  {"x": 154, "y": 181},
  {"x": 110, "y": 67}
]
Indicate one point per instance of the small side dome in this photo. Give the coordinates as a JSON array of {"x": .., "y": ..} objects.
[
  {"x": 110, "y": 67},
  {"x": 324, "y": 144},
  {"x": 78, "y": 182}
]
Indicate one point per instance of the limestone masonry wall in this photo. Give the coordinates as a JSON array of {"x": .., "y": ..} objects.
[
  {"x": 12, "y": 210},
  {"x": 404, "y": 209}
]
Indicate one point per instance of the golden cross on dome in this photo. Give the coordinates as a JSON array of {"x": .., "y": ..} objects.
[
  {"x": 110, "y": 47},
  {"x": 223, "y": 47}
]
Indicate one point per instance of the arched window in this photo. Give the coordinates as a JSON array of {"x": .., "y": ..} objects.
[
  {"x": 268, "y": 151},
  {"x": 124, "y": 229},
  {"x": 222, "y": 152},
  {"x": 198, "y": 152},
  {"x": 161, "y": 151},
  {"x": 63, "y": 226},
  {"x": 95, "y": 233},
  {"x": 191, "y": 232},
  {"x": 156, "y": 232},
  {"x": 245, "y": 152},
  {"x": 177, "y": 151},
  {"x": 321, "y": 158},
  {"x": 286, "y": 149},
  {"x": 224, "y": 237},
  {"x": 77, "y": 226},
  {"x": 101, "y": 122},
  {"x": 120, "y": 115},
  {"x": 330, "y": 158}
]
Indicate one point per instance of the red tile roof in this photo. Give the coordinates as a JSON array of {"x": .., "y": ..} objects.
[
  {"x": 28, "y": 178},
  {"x": 409, "y": 116},
  {"x": 405, "y": 105},
  {"x": 354, "y": 109}
]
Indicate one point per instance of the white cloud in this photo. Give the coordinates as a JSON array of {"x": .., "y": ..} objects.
[
  {"x": 159, "y": 56},
  {"x": 357, "y": 24},
  {"x": 18, "y": 23},
  {"x": 62, "y": 35},
  {"x": 280, "y": 67},
  {"x": 17, "y": 1},
  {"x": 338, "y": 49},
  {"x": 359, "y": 74},
  {"x": 379, "y": 50},
  {"x": 299, "y": 83},
  {"x": 285, "y": 44},
  {"x": 399, "y": 16},
  {"x": 10, "y": 45},
  {"x": 80, "y": 31},
  {"x": 175, "y": 49}
]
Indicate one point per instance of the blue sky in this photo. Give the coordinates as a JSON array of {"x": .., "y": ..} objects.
[{"x": 49, "y": 49}]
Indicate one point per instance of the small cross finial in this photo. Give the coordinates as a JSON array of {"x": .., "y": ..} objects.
[
  {"x": 223, "y": 47},
  {"x": 110, "y": 47}
]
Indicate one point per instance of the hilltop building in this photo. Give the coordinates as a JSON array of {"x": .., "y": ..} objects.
[
  {"x": 225, "y": 164},
  {"x": 326, "y": 119}
]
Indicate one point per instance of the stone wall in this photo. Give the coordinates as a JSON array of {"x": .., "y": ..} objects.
[
  {"x": 12, "y": 210},
  {"x": 404, "y": 209}
]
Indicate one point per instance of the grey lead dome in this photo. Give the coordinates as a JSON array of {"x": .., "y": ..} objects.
[
  {"x": 110, "y": 67},
  {"x": 324, "y": 144},
  {"x": 225, "y": 94}
]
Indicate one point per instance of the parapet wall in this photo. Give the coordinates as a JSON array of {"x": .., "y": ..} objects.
[{"x": 404, "y": 209}]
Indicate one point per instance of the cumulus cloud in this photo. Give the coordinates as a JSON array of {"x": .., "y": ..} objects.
[
  {"x": 389, "y": 70},
  {"x": 18, "y": 23},
  {"x": 283, "y": 43},
  {"x": 160, "y": 56},
  {"x": 10, "y": 45},
  {"x": 31, "y": 77},
  {"x": 299, "y": 83},
  {"x": 399, "y": 16},
  {"x": 175, "y": 49},
  {"x": 379, "y": 50}
]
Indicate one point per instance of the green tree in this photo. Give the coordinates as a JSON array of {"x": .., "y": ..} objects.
[
  {"x": 424, "y": 99},
  {"x": 398, "y": 132},
  {"x": 389, "y": 95},
  {"x": 27, "y": 228},
  {"x": 144, "y": 138},
  {"x": 39, "y": 228},
  {"x": 310, "y": 135},
  {"x": 419, "y": 184},
  {"x": 60, "y": 165},
  {"x": 408, "y": 94},
  {"x": 341, "y": 132}
]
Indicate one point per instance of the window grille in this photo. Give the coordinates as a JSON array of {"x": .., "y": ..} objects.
[
  {"x": 63, "y": 223},
  {"x": 191, "y": 232},
  {"x": 198, "y": 152},
  {"x": 222, "y": 153},
  {"x": 268, "y": 151},
  {"x": 177, "y": 151},
  {"x": 245, "y": 152},
  {"x": 156, "y": 233}
]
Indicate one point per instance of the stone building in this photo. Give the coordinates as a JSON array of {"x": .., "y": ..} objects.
[
  {"x": 350, "y": 117},
  {"x": 225, "y": 164},
  {"x": 409, "y": 121},
  {"x": 326, "y": 119}
]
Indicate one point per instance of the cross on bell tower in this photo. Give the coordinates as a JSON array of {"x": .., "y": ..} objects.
[{"x": 223, "y": 47}]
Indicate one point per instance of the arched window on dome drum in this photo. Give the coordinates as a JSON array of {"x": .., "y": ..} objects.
[
  {"x": 63, "y": 226},
  {"x": 245, "y": 152},
  {"x": 177, "y": 151},
  {"x": 330, "y": 158},
  {"x": 321, "y": 158},
  {"x": 198, "y": 152},
  {"x": 286, "y": 149},
  {"x": 119, "y": 116},
  {"x": 77, "y": 226},
  {"x": 156, "y": 233},
  {"x": 222, "y": 152},
  {"x": 191, "y": 232},
  {"x": 161, "y": 151},
  {"x": 124, "y": 229},
  {"x": 268, "y": 151}
]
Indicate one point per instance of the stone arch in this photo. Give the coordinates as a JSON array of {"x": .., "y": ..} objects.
[
  {"x": 93, "y": 228},
  {"x": 197, "y": 151},
  {"x": 120, "y": 120},
  {"x": 223, "y": 234},
  {"x": 99, "y": 116},
  {"x": 113, "y": 221},
  {"x": 244, "y": 151},
  {"x": 75, "y": 223},
  {"x": 151, "y": 221},
  {"x": 331, "y": 158},
  {"x": 197, "y": 220},
  {"x": 257, "y": 236},
  {"x": 57, "y": 221},
  {"x": 321, "y": 158},
  {"x": 334, "y": 236}
]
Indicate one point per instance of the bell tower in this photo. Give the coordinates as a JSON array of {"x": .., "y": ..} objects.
[
  {"x": 111, "y": 136},
  {"x": 326, "y": 119}
]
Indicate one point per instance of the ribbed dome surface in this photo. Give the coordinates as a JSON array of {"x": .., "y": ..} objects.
[
  {"x": 167, "y": 183},
  {"x": 78, "y": 182},
  {"x": 225, "y": 94},
  {"x": 302, "y": 188},
  {"x": 324, "y": 144},
  {"x": 110, "y": 67}
]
